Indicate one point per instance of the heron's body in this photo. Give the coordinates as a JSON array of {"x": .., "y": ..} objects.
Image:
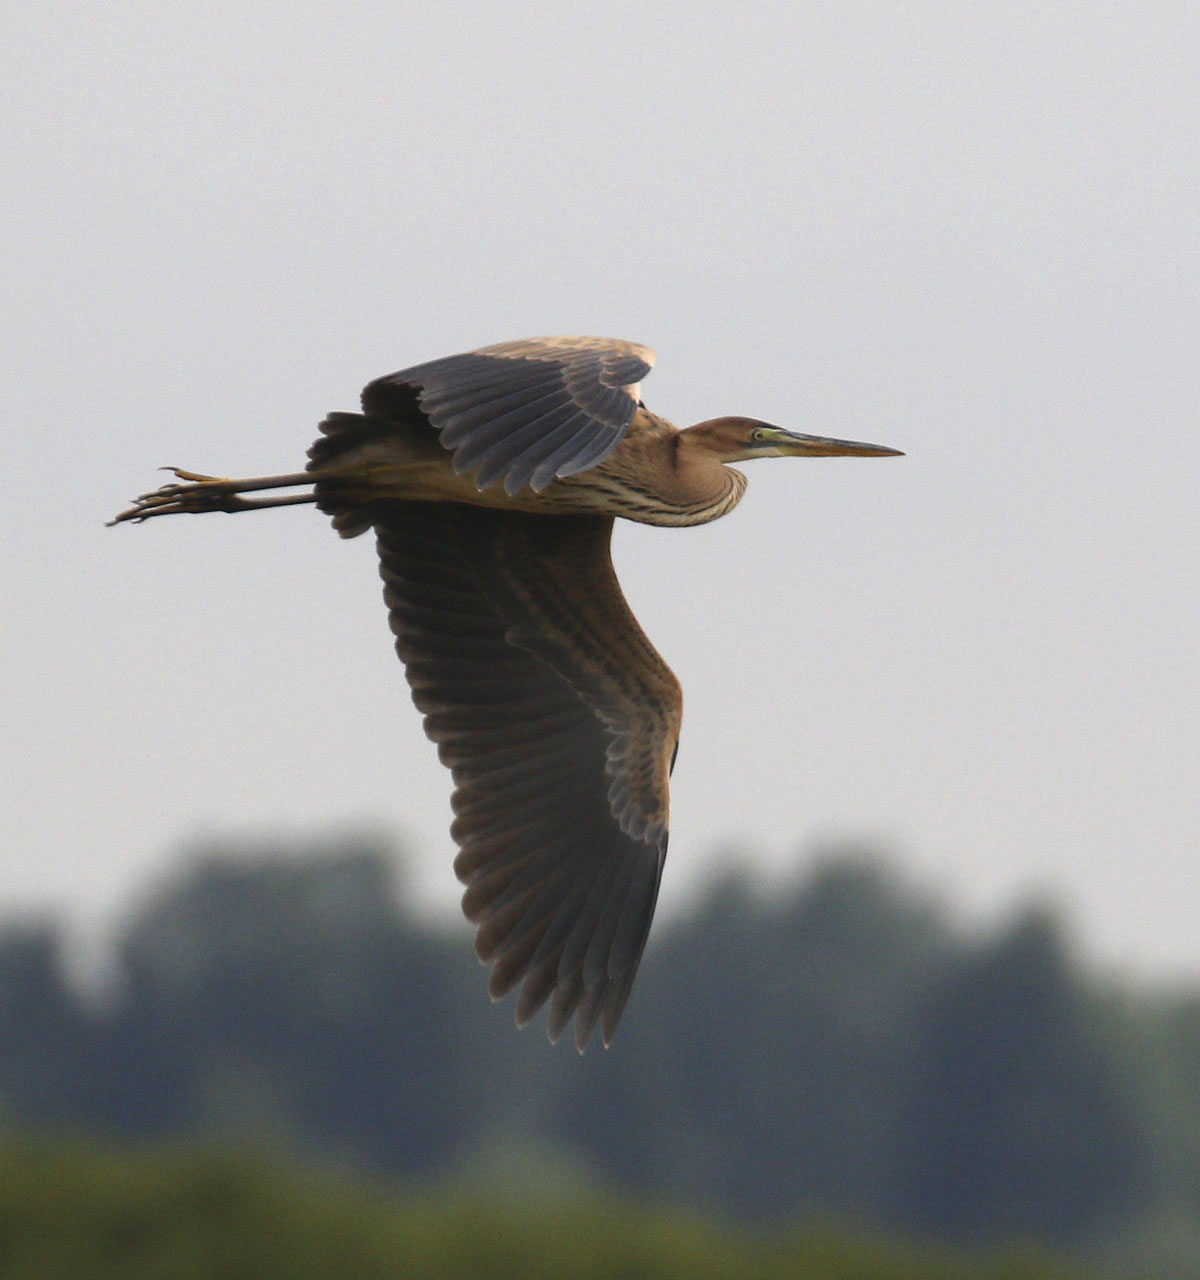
[
  {"x": 655, "y": 475},
  {"x": 492, "y": 480}
]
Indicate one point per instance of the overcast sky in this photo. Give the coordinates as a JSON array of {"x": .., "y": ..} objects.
[{"x": 969, "y": 232}]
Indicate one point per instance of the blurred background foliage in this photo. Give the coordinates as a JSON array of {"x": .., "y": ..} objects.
[
  {"x": 71, "y": 1211},
  {"x": 837, "y": 1051}
]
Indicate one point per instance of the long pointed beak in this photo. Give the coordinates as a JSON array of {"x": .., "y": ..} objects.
[{"x": 777, "y": 440}]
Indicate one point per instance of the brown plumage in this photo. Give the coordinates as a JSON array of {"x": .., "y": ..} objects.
[{"x": 491, "y": 480}]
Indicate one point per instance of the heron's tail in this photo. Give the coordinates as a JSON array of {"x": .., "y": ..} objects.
[
  {"x": 343, "y": 433},
  {"x": 340, "y": 460}
]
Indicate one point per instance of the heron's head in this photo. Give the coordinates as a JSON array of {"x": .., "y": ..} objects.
[{"x": 740, "y": 439}]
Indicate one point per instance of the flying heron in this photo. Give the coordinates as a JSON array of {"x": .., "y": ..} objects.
[{"x": 492, "y": 480}]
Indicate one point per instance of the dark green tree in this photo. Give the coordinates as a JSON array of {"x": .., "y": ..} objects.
[{"x": 1018, "y": 1126}]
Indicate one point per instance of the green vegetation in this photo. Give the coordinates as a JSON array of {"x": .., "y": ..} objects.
[
  {"x": 73, "y": 1211},
  {"x": 837, "y": 1052}
]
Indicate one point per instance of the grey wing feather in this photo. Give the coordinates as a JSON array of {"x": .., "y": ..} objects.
[
  {"x": 524, "y": 413},
  {"x": 561, "y": 889}
]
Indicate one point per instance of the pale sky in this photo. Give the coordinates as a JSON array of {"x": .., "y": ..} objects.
[{"x": 969, "y": 232}]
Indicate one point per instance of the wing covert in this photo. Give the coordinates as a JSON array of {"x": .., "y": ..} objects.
[{"x": 526, "y": 412}]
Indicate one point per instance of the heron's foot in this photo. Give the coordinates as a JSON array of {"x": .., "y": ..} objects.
[
  {"x": 215, "y": 493},
  {"x": 197, "y": 493}
]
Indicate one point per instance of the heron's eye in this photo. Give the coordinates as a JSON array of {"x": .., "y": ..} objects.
[{"x": 757, "y": 435}]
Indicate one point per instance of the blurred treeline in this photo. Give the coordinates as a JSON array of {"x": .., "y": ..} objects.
[
  {"x": 74, "y": 1212},
  {"x": 838, "y": 1051}
]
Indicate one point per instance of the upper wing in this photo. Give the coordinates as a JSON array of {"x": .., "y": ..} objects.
[
  {"x": 559, "y": 722},
  {"x": 523, "y": 412}
]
